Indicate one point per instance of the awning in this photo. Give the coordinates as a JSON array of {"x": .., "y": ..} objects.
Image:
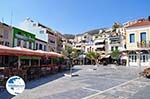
[
  {"x": 100, "y": 46},
  {"x": 102, "y": 40},
  {"x": 19, "y": 51},
  {"x": 107, "y": 56}
]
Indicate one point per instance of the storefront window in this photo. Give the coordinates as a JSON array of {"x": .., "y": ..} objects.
[
  {"x": 144, "y": 58},
  {"x": 132, "y": 58}
]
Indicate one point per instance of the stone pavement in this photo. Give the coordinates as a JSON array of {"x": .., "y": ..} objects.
[{"x": 103, "y": 82}]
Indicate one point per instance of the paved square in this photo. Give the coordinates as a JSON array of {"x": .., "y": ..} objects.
[{"x": 103, "y": 82}]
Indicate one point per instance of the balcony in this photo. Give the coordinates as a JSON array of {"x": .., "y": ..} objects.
[{"x": 143, "y": 44}]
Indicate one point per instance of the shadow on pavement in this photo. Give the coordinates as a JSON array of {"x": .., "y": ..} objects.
[
  {"x": 46, "y": 79},
  {"x": 5, "y": 95},
  {"x": 36, "y": 82}
]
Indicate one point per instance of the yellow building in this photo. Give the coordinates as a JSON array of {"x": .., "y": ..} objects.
[{"x": 138, "y": 44}]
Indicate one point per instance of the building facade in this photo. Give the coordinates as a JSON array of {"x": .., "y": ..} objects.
[
  {"x": 59, "y": 42},
  {"x": 41, "y": 32},
  {"x": 23, "y": 38},
  {"x": 6, "y": 36},
  {"x": 40, "y": 45},
  {"x": 138, "y": 44}
]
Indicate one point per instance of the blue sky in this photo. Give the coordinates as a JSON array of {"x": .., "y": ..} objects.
[{"x": 74, "y": 16}]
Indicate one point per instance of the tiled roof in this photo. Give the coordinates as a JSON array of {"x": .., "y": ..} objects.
[{"x": 141, "y": 23}]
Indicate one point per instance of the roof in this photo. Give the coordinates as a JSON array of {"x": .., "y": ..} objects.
[{"x": 140, "y": 23}]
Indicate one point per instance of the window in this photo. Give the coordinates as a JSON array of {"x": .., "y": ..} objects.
[
  {"x": 6, "y": 43},
  {"x": 125, "y": 46},
  {"x": 34, "y": 24},
  {"x": 40, "y": 46},
  {"x": 30, "y": 45},
  {"x": 18, "y": 42},
  {"x": 116, "y": 48},
  {"x": 5, "y": 34},
  {"x": 132, "y": 38},
  {"x": 132, "y": 58},
  {"x": 41, "y": 31},
  {"x": 144, "y": 58},
  {"x": 36, "y": 46},
  {"x": 44, "y": 47},
  {"x": 19, "y": 33},
  {"x": 96, "y": 36},
  {"x": 25, "y": 44},
  {"x": 143, "y": 36},
  {"x": 112, "y": 48}
]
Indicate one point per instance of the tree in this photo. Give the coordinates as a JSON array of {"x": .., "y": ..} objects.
[
  {"x": 92, "y": 56},
  {"x": 115, "y": 54},
  {"x": 76, "y": 53}
]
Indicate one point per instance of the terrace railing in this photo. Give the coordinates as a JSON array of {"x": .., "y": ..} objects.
[{"x": 143, "y": 44}]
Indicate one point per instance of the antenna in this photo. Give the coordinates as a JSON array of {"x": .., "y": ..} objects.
[{"x": 11, "y": 18}]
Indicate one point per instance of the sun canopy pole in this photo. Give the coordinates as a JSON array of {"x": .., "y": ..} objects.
[
  {"x": 30, "y": 61},
  {"x": 19, "y": 63},
  {"x": 39, "y": 62}
]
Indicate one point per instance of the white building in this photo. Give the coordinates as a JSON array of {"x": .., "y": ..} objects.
[
  {"x": 41, "y": 32},
  {"x": 40, "y": 45},
  {"x": 138, "y": 44}
]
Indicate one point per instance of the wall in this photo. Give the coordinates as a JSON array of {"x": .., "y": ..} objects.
[
  {"x": 37, "y": 45},
  {"x": 33, "y": 27},
  {"x": 6, "y": 35},
  {"x": 24, "y": 36},
  {"x": 136, "y": 31}
]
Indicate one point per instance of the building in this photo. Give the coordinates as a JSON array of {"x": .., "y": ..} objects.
[
  {"x": 66, "y": 42},
  {"x": 41, "y": 32},
  {"x": 59, "y": 42},
  {"x": 6, "y": 35},
  {"x": 84, "y": 42},
  {"x": 40, "y": 45},
  {"x": 100, "y": 43},
  {"x": 138, "y": 44},
  {"x": 116, "y": 41},
  {"x": 23, "y": 38},
  {"x": 95, "y": 41}
]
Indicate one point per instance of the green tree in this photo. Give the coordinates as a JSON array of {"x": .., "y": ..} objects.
[
  {"x": 93, "y": 56},
  {"x": 76, "y": 53},
  {"x": 67, "y": 51},
  {"x": 115, "y": 54}
]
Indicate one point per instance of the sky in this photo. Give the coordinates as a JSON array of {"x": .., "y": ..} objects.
[{"x": 73, "y": 16}]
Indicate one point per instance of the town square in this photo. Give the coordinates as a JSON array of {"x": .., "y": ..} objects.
[{"x": 74, "y": 49}]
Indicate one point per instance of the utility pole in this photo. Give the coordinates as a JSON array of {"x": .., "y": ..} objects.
[{"x": 11, "y": 16}]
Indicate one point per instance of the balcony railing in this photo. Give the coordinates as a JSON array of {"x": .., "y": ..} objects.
[{"x": 143, "y": 44}]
